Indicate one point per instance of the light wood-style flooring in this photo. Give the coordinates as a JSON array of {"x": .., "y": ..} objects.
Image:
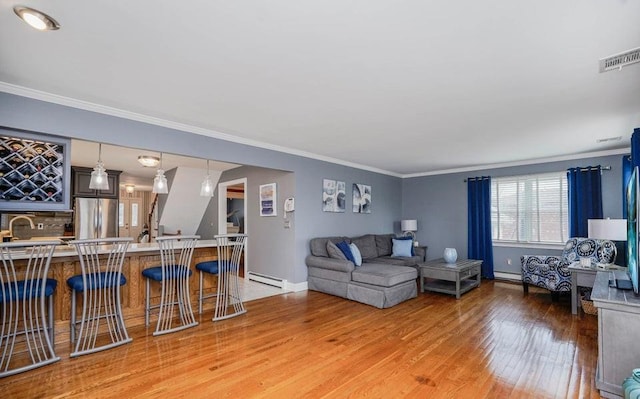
[{"x": 492, "y": 343}]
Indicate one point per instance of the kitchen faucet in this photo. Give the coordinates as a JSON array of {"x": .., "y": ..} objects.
[{"x": 13, "y": 219}]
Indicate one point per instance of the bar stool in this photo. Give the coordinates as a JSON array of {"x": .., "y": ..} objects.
[
  {"x": 228, "y": 297},
  {"x": 99, "y": 284},
  {"x": 173, "y": 275},
  {"x": 23, "y": 291}
]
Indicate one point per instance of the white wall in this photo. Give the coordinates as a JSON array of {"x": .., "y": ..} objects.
[{"x": 184, "y": 207}]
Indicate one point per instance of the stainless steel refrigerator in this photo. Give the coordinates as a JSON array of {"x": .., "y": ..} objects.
[{"x": 95, "y": 218}]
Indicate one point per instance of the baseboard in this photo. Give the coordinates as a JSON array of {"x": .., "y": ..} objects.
[
  {"x": 508, "y": 276},
  {"x": 296, "y": 287}
]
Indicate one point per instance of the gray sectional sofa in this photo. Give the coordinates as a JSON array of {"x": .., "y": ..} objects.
[{"x": 381, "y": 281}]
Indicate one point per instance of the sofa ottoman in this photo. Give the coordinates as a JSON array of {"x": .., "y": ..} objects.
[{"x": 382, "y": 286}]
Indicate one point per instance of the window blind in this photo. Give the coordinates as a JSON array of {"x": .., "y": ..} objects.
[{"x": 530, "y": 208}]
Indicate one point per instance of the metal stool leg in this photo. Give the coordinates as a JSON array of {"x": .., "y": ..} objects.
[
  {"x": 72, "y": 319},
  {"x": 146, "y": 304},
  {"x": 200, "y": 294},
  {"x": 52, "y": 325}
]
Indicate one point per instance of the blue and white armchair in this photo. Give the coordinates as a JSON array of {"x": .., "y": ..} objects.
[{"x": 552, "y": 272}]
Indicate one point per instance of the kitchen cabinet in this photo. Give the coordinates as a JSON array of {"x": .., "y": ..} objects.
[{"x": 81, "y": 177}]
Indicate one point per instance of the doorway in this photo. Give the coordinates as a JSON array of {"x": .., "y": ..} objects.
[
  {"x": 232, "y": 211},
  {"x": 130, "y": 218},
  {"x": 131, "y": 214}
]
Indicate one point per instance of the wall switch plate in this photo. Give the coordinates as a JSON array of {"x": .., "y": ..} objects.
[
  {"x": 287, "y": 224},
  {"x": 508, "y": 261}
]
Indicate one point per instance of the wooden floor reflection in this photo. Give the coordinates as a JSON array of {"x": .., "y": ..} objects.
[{"x": 492, "y": 343}]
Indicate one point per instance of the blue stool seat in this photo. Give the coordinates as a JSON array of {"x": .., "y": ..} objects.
[
  {"x": 155, "y": 273},
  {"x": 9, "y": 289},
  {"x": 208, "y": 267},
  {"x": 96, "y": 280}
]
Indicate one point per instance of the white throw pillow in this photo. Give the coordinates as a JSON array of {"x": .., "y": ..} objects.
[{"x": 356, "y": 254}]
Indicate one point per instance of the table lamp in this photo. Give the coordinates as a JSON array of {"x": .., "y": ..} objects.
[
  {"x": 608, "y": 229},
  {"x": 409, "y": 227}
]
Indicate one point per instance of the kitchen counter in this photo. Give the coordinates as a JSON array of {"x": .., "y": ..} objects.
[
  {"x": 65, "y": 250},
  {"x": 65, "y": 264}
]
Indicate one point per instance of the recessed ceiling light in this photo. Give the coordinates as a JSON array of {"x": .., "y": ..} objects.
[
  {"x": 148, "y": 161},
  {"x": 36, "y": 19}
]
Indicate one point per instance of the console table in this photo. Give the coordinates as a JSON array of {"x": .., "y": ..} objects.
[
  {"x": 450, "y": 278},
  {"x": 618, "y": 326}
]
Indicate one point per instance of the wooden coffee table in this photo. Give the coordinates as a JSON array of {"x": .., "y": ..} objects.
[{"x": 450, "y": 278}]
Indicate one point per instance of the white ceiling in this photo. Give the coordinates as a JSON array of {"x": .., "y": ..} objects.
[{"x": 407, "y": 87}]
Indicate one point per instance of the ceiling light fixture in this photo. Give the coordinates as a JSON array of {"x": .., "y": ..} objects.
[
  {"x": 148, "y": 161},
  {"x": 160, "y": 181},
  {"x": 99, "y": 178},
  {"x": 206, "y": 188},
  {"x": 36, "y": 19}
]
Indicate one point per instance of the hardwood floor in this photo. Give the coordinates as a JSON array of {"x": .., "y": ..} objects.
[{"x": 492, "y": 343}]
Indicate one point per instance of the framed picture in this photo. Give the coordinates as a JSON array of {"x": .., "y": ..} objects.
[
  {"x": 34, "y": 171},
  {"x": 334, "y": 195},
  {"x": 361, "y": 198},
  {"x": 268, "y": 200}
]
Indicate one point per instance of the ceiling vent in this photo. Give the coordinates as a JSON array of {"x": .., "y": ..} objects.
[{"x": 620, "y": 60}]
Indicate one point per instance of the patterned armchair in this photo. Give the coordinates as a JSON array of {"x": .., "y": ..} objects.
[{"x": 552, "y": 272}]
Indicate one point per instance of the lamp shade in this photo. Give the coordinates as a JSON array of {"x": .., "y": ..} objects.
[
  {"x": 99, "y": 178},
  {"x": 160, "y": 183},
  {"x": 206, "y": 188},
  {"x": 409, "y": 225},
  {"x": 608, "y": 229}
]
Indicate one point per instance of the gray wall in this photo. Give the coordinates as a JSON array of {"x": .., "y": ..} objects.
[
  {"x": 440, "y": 205},
  {"x": 42, "y": 117}
]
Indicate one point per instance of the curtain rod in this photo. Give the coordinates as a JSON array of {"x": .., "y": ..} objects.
[
  {"x": 595, "y": 167},
  {"x": 581, "y": 169}
]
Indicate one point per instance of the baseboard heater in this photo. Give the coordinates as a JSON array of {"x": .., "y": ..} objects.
[{"x": 269, "y": 280}]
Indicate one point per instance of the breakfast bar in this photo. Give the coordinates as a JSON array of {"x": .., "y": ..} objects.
[{"x": 65, "y": 264}]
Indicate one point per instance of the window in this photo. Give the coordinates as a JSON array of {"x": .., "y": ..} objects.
[{"x": 530, "y": 209}]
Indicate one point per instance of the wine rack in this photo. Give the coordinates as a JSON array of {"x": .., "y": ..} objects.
[{"x": 32, "y": 173}]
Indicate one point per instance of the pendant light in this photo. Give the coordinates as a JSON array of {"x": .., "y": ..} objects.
[
  {"x": 206, "y": 188},
  {"x": 99, "y": 178},
  {"x": 160, "y": 181}
]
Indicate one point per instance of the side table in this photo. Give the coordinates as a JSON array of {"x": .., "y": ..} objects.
[
  {"x": 454, "y": 279},
  {"x": 421, "y": 251},
  {"x": 582, "y": 277}
]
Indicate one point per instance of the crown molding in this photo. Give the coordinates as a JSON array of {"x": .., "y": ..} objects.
[
  {"x": 102, "y": 109},
  {"x": 569, "y": 157}
]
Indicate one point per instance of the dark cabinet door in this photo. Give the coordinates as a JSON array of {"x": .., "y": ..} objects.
[{"x": 81, "y": 177}]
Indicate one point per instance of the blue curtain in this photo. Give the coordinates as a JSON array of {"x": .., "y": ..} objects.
[
  {"x": 585, "y": 198},
  {"x": 635, "y": 148},
  {"x": 626, "y": 175},
  {"x": 479, "y": 232}
]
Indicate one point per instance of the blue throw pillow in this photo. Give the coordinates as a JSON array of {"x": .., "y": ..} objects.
[
  {"x": 402, "y": 248},
  {"x": 346, "y": 250},
  {"x": 356, "y": 254},
  {"x": 413, "y": 252}
]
